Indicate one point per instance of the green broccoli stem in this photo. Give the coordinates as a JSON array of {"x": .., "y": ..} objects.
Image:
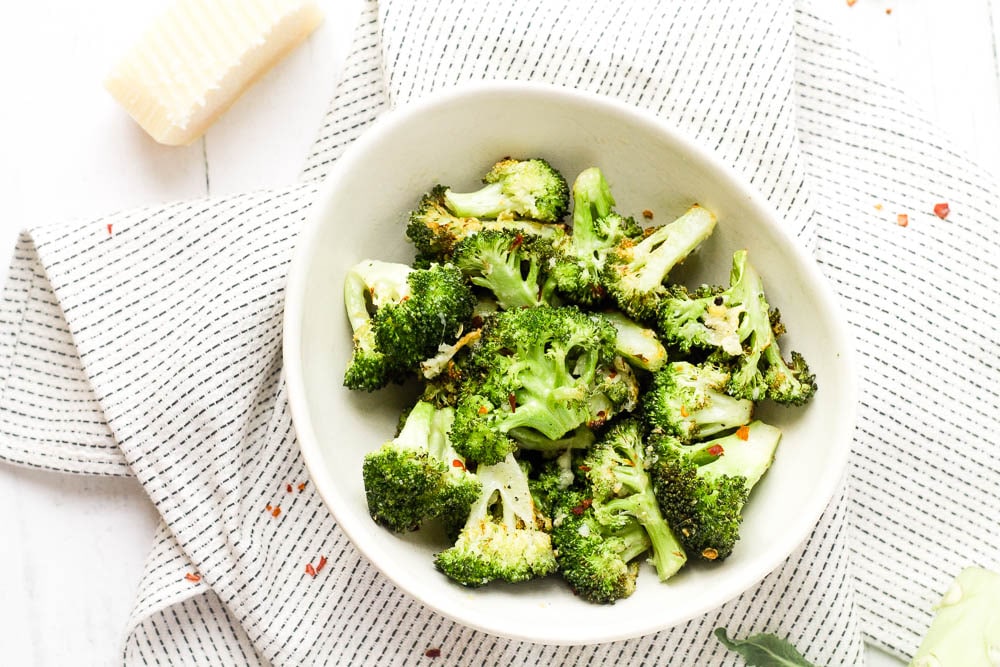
[
  {"x": 560, "y": 378},
  {"x": 416, "y": 431},
  {"x": 486, "y": 202},
  {"x": 658, "y": 253},
  {"x": 438, "y": 444},
  {"x": 529, "y": 438},
  {"x": 636, "y": 343},
  {"x": 721, "y": 414},
  {"x": 668, "y": 553},
  {"x": 509, "y": 287},
  {"x": 592, "y": 200},
  {"x": 747, "y": 455},
  {"x": 635, "y": 540},
  {"x": 551, "y": 420},
  {"x": 355, "y": 303},
  {"x": 506, "y": 483}
]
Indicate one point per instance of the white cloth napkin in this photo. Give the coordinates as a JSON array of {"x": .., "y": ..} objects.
[{"x": 155, "y": 349}]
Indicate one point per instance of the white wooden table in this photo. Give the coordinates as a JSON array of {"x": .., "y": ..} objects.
[{"x": 72, "y": 548}]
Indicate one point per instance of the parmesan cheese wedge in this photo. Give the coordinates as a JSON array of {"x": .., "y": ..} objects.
[{"x": 199, "y": 57}]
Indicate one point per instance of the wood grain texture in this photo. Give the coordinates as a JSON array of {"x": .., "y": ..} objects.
[{"x": 73, "y": 548}]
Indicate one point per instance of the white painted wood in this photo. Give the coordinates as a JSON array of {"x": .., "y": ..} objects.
[
  {"x": 944, "y": 55},
  {"x": 72, "y": 548}
]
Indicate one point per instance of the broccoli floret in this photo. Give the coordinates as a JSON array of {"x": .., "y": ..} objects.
[
  {"x": 415, "y": 312},
  {"x": 553, "y": 478},
  {"x": 620, "y": 488},
  {"x": 636, "y": 343},
  {"x": 526, "y": 188},
  {"x": 597, "y": 561},
  {"x": 616, "y": 391},
  {"x": 702, "y": 488},
  {"x": 502, "y": 539},
  {"x": 705, "y": 319},
  {"x": 737, "y": 323},
  {"x": 636, "y": 271},
  {"x": 687, "y": 401},
  {"x": 434, "y": 230},
  {"x": 418, "y": 475},
  {"x": 510, "y": 265},
  {"x": 596, "y": 230},
  {"x": 533, "y": 368}
]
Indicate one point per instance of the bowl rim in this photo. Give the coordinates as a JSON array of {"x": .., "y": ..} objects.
[{"x": 839, "y": 336}]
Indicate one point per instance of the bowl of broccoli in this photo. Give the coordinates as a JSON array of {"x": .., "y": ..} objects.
[{"x": 538, "y": 371}]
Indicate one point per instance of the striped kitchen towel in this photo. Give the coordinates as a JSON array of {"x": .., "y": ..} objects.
[{"x": 118, "y": 356}]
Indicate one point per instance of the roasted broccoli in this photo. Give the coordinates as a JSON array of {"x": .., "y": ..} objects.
[
  {"x": 598, "y": 561},
  {"x": 418, "y": 475},
  {"x": 636, "y": 343},
  {"x": 620, "y": 489},
  {"x": 597, "y": 229},
  {"x": 416, "y": 310},
  {"x": 636, "y": 270},
  {"x": 552, "y": 477},
  {"x": 581, "y": 437},
  {"x": 531, "y": 189},
  {"x": 578, "y": 412},
  {"x": 532, "y": 368},
  {"x": 434, "y": 230},
  {"x": 702, "y": 488},
  {"x": 502, "y": 539},
  {"x": 737, "y": 325},
  {"x": 687, "y": 401},
  {"x": 512, "y": 266}
]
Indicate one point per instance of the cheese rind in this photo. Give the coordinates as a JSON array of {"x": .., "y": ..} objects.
[{"x": 199, "y": 57}]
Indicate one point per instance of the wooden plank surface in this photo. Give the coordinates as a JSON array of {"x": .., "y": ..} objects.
[{"x": 72, "y": 548}]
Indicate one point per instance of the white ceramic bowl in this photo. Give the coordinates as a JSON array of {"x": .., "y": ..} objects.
[{"x": 453, "y": 138}]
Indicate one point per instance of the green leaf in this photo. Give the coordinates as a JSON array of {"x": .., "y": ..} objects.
[{"x": 764, "y": 650}]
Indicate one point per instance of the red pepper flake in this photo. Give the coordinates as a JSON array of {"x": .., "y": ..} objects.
[
  {"x": 516, "y": 243},
  {"x": 109, "y": 229},
  {"x": 850, "y": 3},
  {"x": 512, "y": 399},
  {"x": 268, "y": 507},
  {"x": 902, "y": 220},
  {"x": 483, "y": 409},
  {"x": 302, "y": 486},
  {"x": 584, "y": 468},
  {"x": 717, "y": 450},
  {"x": 310, "y": 570},
  {"x": 942, "y": 210},
  {"x": 276, "y": 511},
  {"x": 684, "y": 411},
  {"x": 457, "y": 464},
  {"x": 743, "y": 432},
  {"x": 288, "y": 487},
  {"x": 888, "y": 10},
  {"x": 192, "y": 577},
  {"x": 433, "y": 652},
  {"x": 321, "y": 564},
  {"x": 582, "y": 507},
  {"x": 646, "y": 213}
]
